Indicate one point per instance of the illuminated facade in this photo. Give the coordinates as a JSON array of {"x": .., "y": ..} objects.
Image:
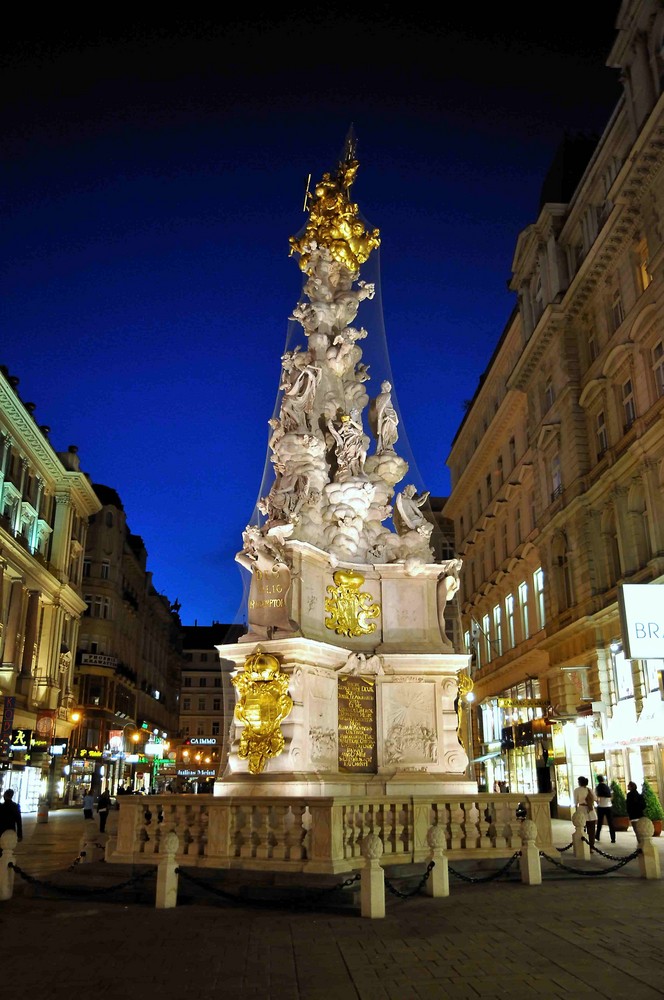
[
  {"x": 207, "y": 700},
  {"x": 45, "y": 502},
  {"x": 128, "y": 661},
  {"x": 558, "y": 466}
]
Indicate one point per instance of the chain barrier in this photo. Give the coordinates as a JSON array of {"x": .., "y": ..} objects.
[
  {"x": 243, "y": 901},
  {"x": 76, "y": 861},
  {"x": 79, "y": 890},
  {"x": 486, "y": 878},
  {"x": 561, "y": 850},
  {"x": 418, "y": 888},
  {"x": 603, "y": 871}
]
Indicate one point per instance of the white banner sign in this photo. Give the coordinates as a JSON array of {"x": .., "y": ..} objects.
[{"x": 642, "y": 616}]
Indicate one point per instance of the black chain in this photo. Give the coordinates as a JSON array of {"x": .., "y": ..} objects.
[
  {"x": 243, "y": 901},
  {"x": 602, "y": 871},
  {"x": 78, "y": 890},
  {"x": 486, "y": 878},
  {"x": 561, "y": 850},
  {"x": 407, "y": 895}
]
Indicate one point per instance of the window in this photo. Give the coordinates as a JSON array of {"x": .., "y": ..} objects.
[
  {"x": 109, "y": 519},
  {"x": 600, "y": 434},
  {"x": 548, "y": 395},
  {"x": 556, "y": 477},
  {"x": 642, "y": 264},
  {"x": 204, "y": 657},
  {"x": 88, "y": 603},
  {"x": 509, "y": 614},
  {"x": 629, "y": 409},
  {"x": 200, "y": 729},
  {"x": 499, "y": 470},
  {"x": 479, "y": 503},
  {"x": 593, "y": 349},
  {"x": 215, "y": 728},
  {"x": 201, "y": 704},
  {"x": 538, "y": 580},
  {"x": 106, "y": 570},
  {"x": 186, "y": 704},
  {"x": 622, "y": 673},
  {"x": 216, "y": 704},
  {"x": 523, "y": 606},
  {"x": 658, "y": 367},
  {"x": 512, "y": 446},
  {"x": 517, "y": 525},
  {"x": 486, "y": 637},
  {"x": 489, "y": 487},
  {"x": 86, "y": 565},
  {"x": 503, "y": 533},
  {"x": 187, "y": 682},
  {"x": 202, "y": 682},
  {"x": 497, "y": 632},
  {"x": 617, "y": 311},
  {"x": 217, "y": 682},
  {"x": 189, "y": 658}
]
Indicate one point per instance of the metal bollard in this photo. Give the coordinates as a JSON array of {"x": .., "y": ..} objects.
[
  {"x": 42, "y": 810},
  {"x": 8, "y": 842},
  {"x": 372, "y": 881}
]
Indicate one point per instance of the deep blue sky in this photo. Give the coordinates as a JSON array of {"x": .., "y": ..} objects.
[{"x": 151, "y": 178}]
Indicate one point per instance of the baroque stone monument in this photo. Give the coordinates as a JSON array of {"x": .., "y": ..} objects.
[{"x": 346, "y": 681}]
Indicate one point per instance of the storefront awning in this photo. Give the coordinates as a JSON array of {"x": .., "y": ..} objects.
[{"x": 650, "y": 726}]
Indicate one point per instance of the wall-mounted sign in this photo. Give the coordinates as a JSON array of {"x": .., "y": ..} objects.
[
  {"x": 99, "y": 660},
  {"x": 20, "y": 740},
  {"x": 642, "y": 618},
  {"x": 201, "y": 741}
]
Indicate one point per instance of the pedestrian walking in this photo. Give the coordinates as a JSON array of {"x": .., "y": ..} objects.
[
  {"x": 10, "y": 815},
  {"x": 636, "y": 803},
  {"x": 103, "y": 806},
  {"x": 88, "y": 804},
  {"x": 604, "y": 808},
  {"x": 584, "y": 799}
]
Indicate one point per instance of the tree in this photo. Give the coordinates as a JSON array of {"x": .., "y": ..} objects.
[
  {"x": 653, "y": 809},
  {"x": 618, "y": 801}
]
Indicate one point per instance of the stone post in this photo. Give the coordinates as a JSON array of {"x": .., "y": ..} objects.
[
  {"x": 531, "y": 868},
  {"x": 438, "y": 883},
  {"x": 8, "y": 842},
  {"x": 372, "y": 883},
  {"x": 167, "y": 877},
  {"x": 649, "y": 863},
  {"x": 581, "y": 848},
  {"x": 91, "y": 848}
]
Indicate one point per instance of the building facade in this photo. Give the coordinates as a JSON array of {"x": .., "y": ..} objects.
[
  {"x": 128, "y": 661},
  {"x": 558, "y": 466},
  {"x": 207, "y": 701},
  {"x": 45, "y": 503}
]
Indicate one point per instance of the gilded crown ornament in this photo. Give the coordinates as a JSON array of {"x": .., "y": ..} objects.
[{"x": 263, "y": 703}]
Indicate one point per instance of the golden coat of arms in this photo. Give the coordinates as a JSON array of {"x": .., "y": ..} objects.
[{"x": 263, "y": 703}]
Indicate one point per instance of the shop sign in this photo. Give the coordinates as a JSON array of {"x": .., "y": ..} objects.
[
  {"x": 201, "y": 741},
  {"x": 91, "y": 754},
  {"x": 200, "y": 773},
  {"x": 20, "y": 740},
  {"x": 642, "y": 619},
  {"x": 99, "y": 660},
  {"x": 59, "y": 746},
  {"x": 7, "y": 722}
]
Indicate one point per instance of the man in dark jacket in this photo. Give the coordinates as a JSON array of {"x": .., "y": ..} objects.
[
  {"x": 604, "y": 807},
  {"x": 10, "y": 815}
]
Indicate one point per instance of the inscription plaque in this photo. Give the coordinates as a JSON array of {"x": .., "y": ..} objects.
[{"x": 357, "y": 725}]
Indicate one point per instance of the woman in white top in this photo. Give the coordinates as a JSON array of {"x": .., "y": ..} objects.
[{"x": 584, "y": 798}]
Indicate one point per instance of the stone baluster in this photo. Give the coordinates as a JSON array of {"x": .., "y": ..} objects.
[
  {"x": 581, "y": 848},
  {"x": 8, "y": 842},
  {"x": 531, "y": 867},
  {"x": 649, "y": 863},
  {"x": 167, "y": 876},
  {"x": 438, "y": 883},
  {"x": 372, "y": 882}
]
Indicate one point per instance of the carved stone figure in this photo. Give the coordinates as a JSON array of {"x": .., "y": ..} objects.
[
  {"x": 383, "y": 420},
  {"x": 407, "y": 513},
  {"x": 350, "y": 448}
]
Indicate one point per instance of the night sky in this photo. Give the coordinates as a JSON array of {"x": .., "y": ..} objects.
[{"x": 151, "y": 178}]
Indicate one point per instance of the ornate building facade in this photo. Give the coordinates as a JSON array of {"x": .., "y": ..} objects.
[
  {"x": 128, "y": 662},
  {"x": 45, "y": 503},
  {"x": 558, "y": 466}
]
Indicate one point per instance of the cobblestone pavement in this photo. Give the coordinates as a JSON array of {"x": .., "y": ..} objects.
[{"x": 574, "y": 936}]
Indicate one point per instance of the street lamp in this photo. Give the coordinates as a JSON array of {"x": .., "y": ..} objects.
[{"x": 74, "y": 741}]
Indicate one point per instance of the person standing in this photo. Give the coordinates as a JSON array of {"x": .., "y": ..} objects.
[
  {"x": 584, "y": 799},
  {"x": 604, "y": 807},
  {"x": 88, "y": 804},
  {"x": 10, "y": 815},
  {"x": 103, "y": 806},
  {"x": 636, "y": 803}
]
